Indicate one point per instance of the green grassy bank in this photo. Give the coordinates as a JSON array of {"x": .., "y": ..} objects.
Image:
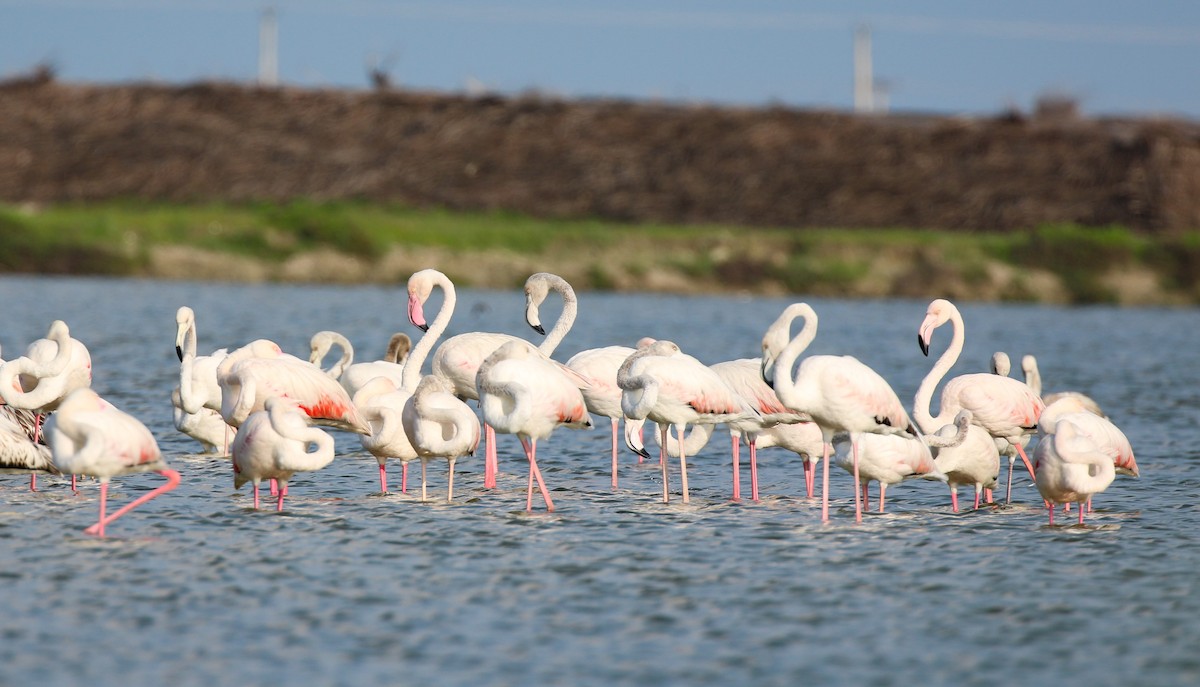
[{"x": 343, "y": 242}]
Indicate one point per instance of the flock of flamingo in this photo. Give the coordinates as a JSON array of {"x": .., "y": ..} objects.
[{"x": 265, "y": 409}]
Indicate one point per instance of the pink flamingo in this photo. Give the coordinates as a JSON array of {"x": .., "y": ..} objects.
[
  {"x": 49, "y": 371},
  {"x": 603, "y": 397},
  {"x": 89, "y": 436},
  {"x": 439, "y": 425},
  {"x": 259, "y": 370},
  {"x": 273, "y": 444},
  {"x": 459, "y": 357},
  {"x": 196, "y": 402},
  {"x": 744, "y": 377},
  {"x": 1006, "y": 408},
  {"x": 351, "y": 375},
  {"x": 524, "y": 392},
  {"x": 1071, "y": 468},
  {"x": 974, "y": 460},
  {"x": 1107, "y": 437},
  {"x": 840, "y": 393},
  {"x": 662, "y": 384}
]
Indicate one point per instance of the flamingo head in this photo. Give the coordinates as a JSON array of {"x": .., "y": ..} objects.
[
  {"x": 420, "y": 285},
  {"x": 939, "y": 313}
]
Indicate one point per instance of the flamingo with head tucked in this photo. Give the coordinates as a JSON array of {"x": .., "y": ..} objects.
[
  {"x": 439, "y": 426},
  {"x": 273, "y": 443},
  {"x": 840, "y": 393},
  {"x": 89, "y": 436},
  {"x": 1006, "y": 408},
  {"x": 1071, "y": 468},
  {"x": 524, "y": 392}
]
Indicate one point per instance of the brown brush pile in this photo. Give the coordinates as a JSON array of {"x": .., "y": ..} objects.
[{"x": 611, "y": 159}]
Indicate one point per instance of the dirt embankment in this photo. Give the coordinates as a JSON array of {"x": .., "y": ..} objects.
[{"x": 612, "y": 159}]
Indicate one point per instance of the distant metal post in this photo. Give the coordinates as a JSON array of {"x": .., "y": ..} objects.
[
  {"x": 864, "y": 79},
  {"x": 268, "y": 48}
]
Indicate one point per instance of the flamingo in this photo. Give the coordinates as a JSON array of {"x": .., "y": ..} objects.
[
  {"x": 19, "y": 451},
  {"x": 1006, "y": 408},
  {"x": 840, "y": 393},
  {"x": 259, "y": 370},
  {"x": 439, "y": 425},
  {"x": 1071, "y": 467},
  {"x": 352, "y": 376},
  {"x": 49, "y": 371},
  {"x": 975, "y": 460},
  {"x": 662, "y": 384},
  {"x": 273, "y": 444},
  {"x": 459, "y": 357},
  {"x": 603, "y": 397},
  {"x": 1107, "y": 437},
  {"x": 744, "y": 377},
  {"x": 1033, "y": 379},
  {"x": 90, "y": 436},
  {"x": 196, "y": 403},
  {"x": 523, "y": 392}
]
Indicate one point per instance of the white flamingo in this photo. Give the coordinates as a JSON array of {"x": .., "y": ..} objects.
[
  {"x": 840, "y": 393},
  {"x": 196, "y": 401},
  {"x": 19, "y": 451},
  {"x": 439, "y": 425},
  {"x": 90, "y": 436},
  {"x": 603, "y": 397},
  {"x": 1107, "y": 437},
  {"x": 1071, "y": 468},
  {"x": 524, "y": 392},
  {"x": 459, "y": 357},
  {"x": 1006, "y": 408},
  {"x": 274, "y": 443},
  {"x": 49, "y": 371},
  {"x": 974, "y": 461},
  {"x": 662, "y": 384}
]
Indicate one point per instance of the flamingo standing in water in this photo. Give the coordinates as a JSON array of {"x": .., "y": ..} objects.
[
  {"x": 19, "y": 451},
  {"x": 662, "y": 384},
  {"x": 1107, "y": 437},
  {"x": 459, "y": 357},
  {"x": 1071, "y": 468},
  {"x": 1006, "y": 408},
  {"x": 351, "y": 375},
  {"x": 439, "y": 425},
  {"x": 49, "y": 371},
  {"x": 840, "y": 393},
  {"x": 196, "y": 402},
  {"x": 524, "y": 392},
  {"x": 89, "y": 436},
  {"x": 259, "y": 370},
  {"x": 974, "y": 460},
  {"x": 744, "y": 377},
  {"x": 603, "y": 397},
  {"x": 273, "y": 444}
]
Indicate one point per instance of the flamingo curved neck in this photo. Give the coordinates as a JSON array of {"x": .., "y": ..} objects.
[
  {"x": 784, "y": 382},
  {"x": 416, "y": 357},
  {"x": 924, "y": 397},
  {"x": 566, "y": 319}
]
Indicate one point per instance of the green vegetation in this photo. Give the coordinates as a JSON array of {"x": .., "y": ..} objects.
[{"x": 1050, "y": 263}]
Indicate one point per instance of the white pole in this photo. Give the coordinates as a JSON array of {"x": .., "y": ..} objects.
[
  {"x": 864, "y": 79},
  {"x": 268, "y": 48}
]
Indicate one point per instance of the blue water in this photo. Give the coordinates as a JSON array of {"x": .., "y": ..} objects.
[{"x": 349, "y": 587}]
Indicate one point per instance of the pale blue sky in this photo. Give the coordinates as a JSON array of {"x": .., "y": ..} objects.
[{"x": 942, "y": 56}]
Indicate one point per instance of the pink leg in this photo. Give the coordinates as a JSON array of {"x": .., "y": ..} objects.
[
  {"x": 256, "y": 496},
  {"x": 99, "y": 526},
  {"x": 274, "y": 487},
  {"x": 529, "y": 486},
  {"x": 954, "y": 499},
  {"x": 491, "y": 459},
  {"x": 1052, "y": 514},
  {"x": 977, "y": 494},
  {"x": 531, "y": 451},
  {"x": 737, "y": 466},
  {"x": 987, "y": 496},
  {"x": 683, "y": 481},
  {"x": 753, "y": 471},
  {"x": 662, "y": 461},
  {"x": 404, "y": 478},
  {"x": 857, "y": 504},
  {"x": 172, "y": 482},
  {"x": 882, "y": 491},
  {"x": 74, "y": 484},
  {"x": 614, "y": 453},
  {"x": 1028, "y": 464},
  {"x": 808, "y": 486},
  {"x": 33, "y": 481},
  {"x": 1067, "y": 507},
  {"x": 1008, "y": 493},
  {"x": 279, "y": 500},
  {"x": 825, "y": 484},
  {"x": 1089, "y": 504},
  {"x": 1081, "y": 509},
  {"x": 383, "y": 478}
]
